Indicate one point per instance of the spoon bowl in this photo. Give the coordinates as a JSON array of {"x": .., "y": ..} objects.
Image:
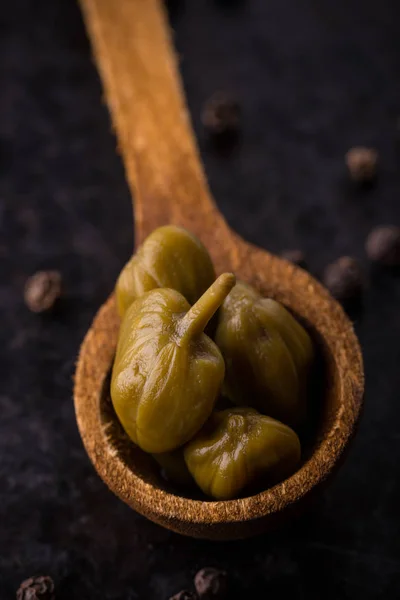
[
  {"x": 132, "y": 474},
  {"x": 134, "y": 53}
]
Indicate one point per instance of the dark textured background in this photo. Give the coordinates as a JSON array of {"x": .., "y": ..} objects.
[{"x": 314, "y": 77}]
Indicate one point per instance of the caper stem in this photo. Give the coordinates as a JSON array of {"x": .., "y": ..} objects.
[{"x": 196, "y": 319}]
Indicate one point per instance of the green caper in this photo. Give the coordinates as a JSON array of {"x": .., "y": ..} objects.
[
  {"x": 267, "y": 354},
  {"x": 239, "y": 447},
  {"x": 174, "y": 467},
  {"x": 170, "y": 257},
  {"x": 167, "y": 372}
]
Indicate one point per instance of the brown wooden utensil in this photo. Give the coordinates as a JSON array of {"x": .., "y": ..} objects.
[{"x": 134, "y": 53}]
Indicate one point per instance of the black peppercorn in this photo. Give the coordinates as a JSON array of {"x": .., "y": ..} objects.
[
  {"x": 344, "y": 279},
  {"x": 221, "y": 115},
  {"x": 42, "y": 290},
  {"x": 383, "y": 245},
  {"x": 36, "y": 588},
  {"x": 296, "y": 257},
  {"x": 362, "y": 164},
  {"x": 211, "y": 584},
  {"x": 184, "y": 595}
]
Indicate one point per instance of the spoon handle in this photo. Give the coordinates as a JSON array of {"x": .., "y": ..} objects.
[{"x": 132, "y": 43}]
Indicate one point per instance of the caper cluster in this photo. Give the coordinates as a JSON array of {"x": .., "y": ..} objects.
[{"x": 168, "y": 373}]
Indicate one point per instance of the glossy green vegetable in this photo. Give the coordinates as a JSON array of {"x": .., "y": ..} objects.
[
  {"x": 167, "y": 373},
  {"x": 174, "y": 467},
  {"x": 170, "y": 257},
  {"x": 267, "y": 355},
  {"x": 238, "y": 448}
]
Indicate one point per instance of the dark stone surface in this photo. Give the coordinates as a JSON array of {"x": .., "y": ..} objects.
[{"x": 314, "y": 78}]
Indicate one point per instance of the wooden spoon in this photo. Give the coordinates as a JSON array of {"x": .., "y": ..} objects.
[{"x": 132, "y": 45}]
